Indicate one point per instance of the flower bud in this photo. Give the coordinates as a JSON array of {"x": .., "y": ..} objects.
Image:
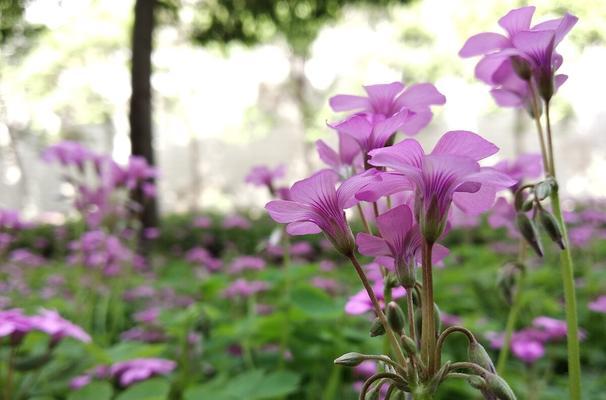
[
  {"x": 499, "y": 387},
  {"x": 542, "y": 190},
  {"x": 395, "y": 317},
  {"x": 529, "y": 231},
  {"x": 433, "y": 221},
  {"x": 551, "y": 226},
  {"x": 545, "y": 85},
  {"x": 350, "y": 359},
  {"x": 476, "y": 382},
  {"x": 341, "y": 238},
  {"x": 477, "y": 354},
  {"x": 377, "y": 328},
  {"x": 509, "y": 276},
  {"x": 408, "y": 345},
  {"x": 521, "y": 202},
  {"x": 521, "y": 68}
]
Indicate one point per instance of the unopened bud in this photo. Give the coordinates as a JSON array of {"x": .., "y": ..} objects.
[
  {"x": 551, "y": 226},
  {"x": 545, "y": 85},
  {"x": 508, "y": 279},
  {"x": 476, "y": 382},
  {"x": 477, "y": 354},
  {"x": 350, "y": 359},
  {"x": 408, "y": 345},
  {"x": 395, "y": 317},
  {"x": 529, "y": 232},
  {"x": 406, "y": 273},
  {"x": 499, "y": 387},
  {"x": 542, "y": 190},
  {"x": 433, "y": 221},
  {"x": 377, "y": 328},
  {"x": 521, "y": 202}
]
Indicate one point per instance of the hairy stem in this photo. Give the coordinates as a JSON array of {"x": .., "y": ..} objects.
[
  {"x": 375, "y": 303},
  {"x": 428, "y": 326}
]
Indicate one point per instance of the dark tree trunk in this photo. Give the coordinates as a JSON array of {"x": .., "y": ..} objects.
[{"x": 140, "y": 116}]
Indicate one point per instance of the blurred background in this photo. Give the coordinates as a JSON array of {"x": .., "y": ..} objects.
[{"x": 235, "y": 84}]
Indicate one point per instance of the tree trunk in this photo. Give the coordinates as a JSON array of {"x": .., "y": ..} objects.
[{"x": 140, "y": 116}]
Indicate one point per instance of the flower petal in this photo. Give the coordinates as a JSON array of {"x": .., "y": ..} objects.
[
  {"x": 348, "y": 189},
  {"x": 384, "y": 129},
  {"x": 483, "y": 43},
  {"x": 561, "y": 26},
  {"x": 370, "y": 245},
  {"x": 475, "y": 203},
  {"x": 328, "y": 155},
  {"x": 389, "y": 184},
  {"x": 400, "y": 157},
  {"x": 394, "y": 224},
  {"x": 284, "y": 211},
  {"x": 346, "y": 102},
  {"x": 381, "y": 96},
  {"x": 507, "y": 98},
  {"x": 517, "y": 20},
  {"x": 420, "y": 95},
  {"x": 465, "y": 143},
  {"x": 302, "y": 228},
  {"x": 319, "y": 185},
  {"x": 357, "y": 127},
  {"x": 416, "y": 121}
]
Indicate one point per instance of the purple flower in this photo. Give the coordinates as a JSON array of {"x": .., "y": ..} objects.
[
  {"x": 553, "y": 328},
  {"x": 399, "y": 239},
  {"x": 247, "y": 262},
  {"x": 344, "y": 161},
  {"x": 316, "y": 206},
  {"x": 525, "y": 53},
  {"x": 329, "y": 285},
  {"x": 51, "y": 323},
  {"x": 68, "y": 153},
  {"x": 262, "y": 175},
  {"x": 25, "y": 257},
  {"x": 137, "y": 370},
  {"x": 244, "y": 288},
  {"x": 203, "y": 222},
  {"x": 201, "y": 256},
  {"x": 384, "y": 101},
  {"x": 527, "y": 348},
  {"x": 450, "y": 173},
  {"x": 15, "y": 324},
  {"x": 598, "y": 305},
  {"x": 360, "y": 303},
  {"x": 236, "y": 222},
  {"x": 526, "y": 166}
]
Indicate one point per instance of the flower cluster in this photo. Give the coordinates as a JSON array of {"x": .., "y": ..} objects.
[
  {"x": 16, "y": 325},
  {"x": 126, "y": 373}
]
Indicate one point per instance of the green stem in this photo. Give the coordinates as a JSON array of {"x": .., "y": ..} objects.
[
  {"x": 371, "y": 294},
  {"x": 512, "y": 318},
  {"x": 567, "y": 271},
  {"x": 428, "y": 327},
  {"x": 9, "y": 374},
  {"x": 284, "y": 338},
  {"x": 363, "y": 218},
  {"x": 535, "y": 111}
]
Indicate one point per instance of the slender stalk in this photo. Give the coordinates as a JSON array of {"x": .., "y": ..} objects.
[
  {"x": 375, "y": 303},
  {"x": 428, "y": 327},
  {"x": 363, "y": 218},
  {"x": 411, "y": 314},
  {"x": 284, "y": 338},
  {"x": 9, "y": 374},
  {"x": 567, "y": 271},
  {"x": 549, "y": 140},
  {"x": 444, "y": 335},
  {"x": 514, "y": 311},
  {"x": 535, "y": 111}
]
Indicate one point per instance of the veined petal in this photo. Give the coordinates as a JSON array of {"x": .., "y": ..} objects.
[
  {"x": 483, "y": 43},
  {"x": 390, "y": 183},
  {"x": 357, "y": 127},
  {"x": 285, "y": 211},
  {"x": 394, "y": 225},
  {"x": 561, "y": 26},
  {"x": 348, "y": 189},
  {"x": 321, "y": 185},
  {"x": 370, "y": 245},
  {"x": 517, "y": 20},
  {"x": 488, "y": 66},
  {"x": 475, "y": 203},
  {"x": 400, "y": 157},
  {"x": 346, "y": 102},
  {"x": 328, "y": 155},
  {"x": 416, "y": 121},
  {"x": 381, "y": 96},
  {"x": 537, "y": 44},
  {"x": 465, "y": 143},
  {"x": 302, "y": 228},
  {"x": 348, "y": 148},
  {"x": 384, "y": 129},
  {"x": 491, "y": 176},
  {"x": 420, "y": 95}
]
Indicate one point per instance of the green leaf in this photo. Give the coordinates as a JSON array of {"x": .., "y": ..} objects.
[
  {"x": 277, "y": 384},
  {"x": 154, "y": 389},
  {"x": 93, "y": 391}
]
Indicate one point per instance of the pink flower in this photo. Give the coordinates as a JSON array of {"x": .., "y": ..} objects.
[
  {"x": 201, "y": 256},
  {"x": 383, "y": 101},
  {"x": 450, "y": 173},
  {"x": 51, "y": 323},
  {"x": 525, "y": 53},
  {"x": 262, "y": 175},
  {"x": 401, "y": 240},
  {"x": 137, "y": 370},
  {"x": 236, "y": 222},
  {"x": 244, "y": 288},
  {"x": 203, "y": 222},
  {"x": 344, "y": 161},
  {"x": 598, "y": 305},
  {"x": 316, "y": 206},
  {"x": 553, "y": 328},
  {"x": 360, "y": 303},
  {"x": 242, "y": 263}
]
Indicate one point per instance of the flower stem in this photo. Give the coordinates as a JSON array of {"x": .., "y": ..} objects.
[
  {"x": 375, "y": 303},
  {"x": 428, "y": 326},
  {"x": 364, "y": 221},
  {"x": 410, "y": 311},
  {"x": 514, "y": 311},
  {"x": 535, "y": 111},
  {"x": 567, "y": 271}
]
